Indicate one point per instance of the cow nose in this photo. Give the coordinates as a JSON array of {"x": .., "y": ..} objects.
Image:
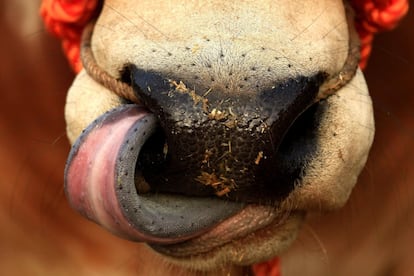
[{"x": 220, "y": 142}]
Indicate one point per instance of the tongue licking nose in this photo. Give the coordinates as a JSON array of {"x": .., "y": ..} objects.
[
  {"x": 99, "y": 182},
  {"x": 213, "y": 156}
]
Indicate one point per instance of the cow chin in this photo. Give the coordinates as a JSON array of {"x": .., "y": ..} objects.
[{"x": 319, "y": 146}]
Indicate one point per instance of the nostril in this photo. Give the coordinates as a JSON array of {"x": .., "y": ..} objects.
[
  {"x": 298, "y": 146},
  {"x": 154, "y": 151},
  {"x": 151, "y": 159},
  {"x": 302, "y": 128},
  {"x": 125, "y": 75}
]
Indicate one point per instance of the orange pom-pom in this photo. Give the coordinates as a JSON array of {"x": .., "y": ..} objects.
[
  {"x": 66, "y": 20},
  {"x": 373, "y": 16}
]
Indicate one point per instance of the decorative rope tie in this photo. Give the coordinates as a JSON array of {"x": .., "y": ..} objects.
[
  {"x": 67, "y": 20},
  {"x": 374, "y": 16}
]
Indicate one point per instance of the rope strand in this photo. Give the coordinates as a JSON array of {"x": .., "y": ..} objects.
[
  {"x": 349, "y": 69},
  {"x": 121, "y": 89}
]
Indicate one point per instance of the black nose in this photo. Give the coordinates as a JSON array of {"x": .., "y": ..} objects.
[{"x": 220, "y": 142}]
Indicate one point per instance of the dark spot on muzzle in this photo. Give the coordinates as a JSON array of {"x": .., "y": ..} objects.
[{"x": 213, "y": 142}]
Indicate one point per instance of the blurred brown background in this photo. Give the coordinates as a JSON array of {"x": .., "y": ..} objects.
[{"x": 372, "y": 235}]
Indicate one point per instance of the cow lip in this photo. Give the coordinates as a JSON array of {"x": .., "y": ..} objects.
[{"x": 259, "y": 222}]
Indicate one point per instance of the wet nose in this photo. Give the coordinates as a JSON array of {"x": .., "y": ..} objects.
[{"x": 223, "y": 143}]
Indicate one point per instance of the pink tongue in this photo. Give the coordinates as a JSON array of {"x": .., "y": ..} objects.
[{"x": 99, "y": 183}]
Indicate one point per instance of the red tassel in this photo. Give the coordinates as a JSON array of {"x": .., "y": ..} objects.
[
  {"x": 373, "y": 16},
  {"x": 66, "y": 19},
  {"x": 269, "y": 268}
]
